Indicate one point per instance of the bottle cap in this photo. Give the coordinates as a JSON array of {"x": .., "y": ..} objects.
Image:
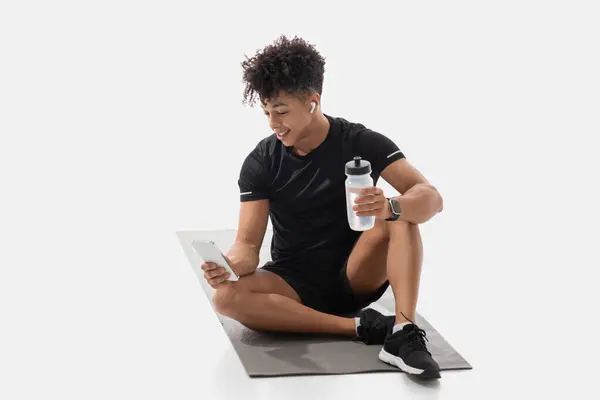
[{"x": 358, "y": 166}]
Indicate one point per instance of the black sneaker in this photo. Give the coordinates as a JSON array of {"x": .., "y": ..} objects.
[
  {"x": 374, "y": 326},
  {"x": 406, "y": 350}
]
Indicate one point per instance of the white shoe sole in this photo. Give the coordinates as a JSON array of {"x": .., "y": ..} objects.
[{"x": 399, "y": 363}]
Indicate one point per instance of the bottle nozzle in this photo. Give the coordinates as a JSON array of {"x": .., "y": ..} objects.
[{"x": 358, "y": 166}]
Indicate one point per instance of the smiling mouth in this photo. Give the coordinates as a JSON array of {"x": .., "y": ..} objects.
[{"x": 280, "y": 135}]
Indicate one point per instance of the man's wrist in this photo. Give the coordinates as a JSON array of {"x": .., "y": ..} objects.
[
  {"x": 395, "y": 211},
  {"x": 243, "y": 259}
]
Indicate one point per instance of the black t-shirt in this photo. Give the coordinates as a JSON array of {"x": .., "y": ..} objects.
[{"x": 307, "y": 193}]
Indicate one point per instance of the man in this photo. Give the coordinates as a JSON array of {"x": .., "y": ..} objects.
[{"x": 322, "y": 270}]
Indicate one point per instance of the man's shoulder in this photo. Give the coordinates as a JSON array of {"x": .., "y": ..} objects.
[
  {"x": 265, "y": 153},
  {"x": 348, "y": 128},
  {"x": 266, "y": 146}
]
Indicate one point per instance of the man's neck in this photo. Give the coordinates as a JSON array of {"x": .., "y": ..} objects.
[{"x": 318, "y": 131}]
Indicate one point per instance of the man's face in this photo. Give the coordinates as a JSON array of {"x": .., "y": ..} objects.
[{"x": 288, "y": 117}]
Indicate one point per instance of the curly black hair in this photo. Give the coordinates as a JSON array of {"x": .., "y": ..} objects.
[{"x": 290, "y": 65}]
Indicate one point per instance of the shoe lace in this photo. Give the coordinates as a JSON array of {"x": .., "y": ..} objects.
[{"x": 416, "y": 337}]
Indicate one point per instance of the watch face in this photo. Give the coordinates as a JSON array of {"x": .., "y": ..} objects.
[{"x": 395, "y": 207}]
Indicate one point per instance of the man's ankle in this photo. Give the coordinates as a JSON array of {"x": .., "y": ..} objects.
[
  {"x": 400, "y": 319},
  {"x": 349, "y": 326}
]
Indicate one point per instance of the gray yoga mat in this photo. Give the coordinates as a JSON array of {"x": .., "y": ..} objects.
[{"x": 278, "y": 354}]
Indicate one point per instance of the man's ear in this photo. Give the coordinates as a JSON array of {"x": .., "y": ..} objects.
[{"x": 313, "y": 102}]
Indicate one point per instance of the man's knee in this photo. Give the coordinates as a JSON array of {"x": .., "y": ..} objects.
[
  {"x": 383, "y": 230},
  {"x": 225, "y": 298}
]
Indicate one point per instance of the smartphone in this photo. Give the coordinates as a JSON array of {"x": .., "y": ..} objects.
[{"x": 210, "y": 253}]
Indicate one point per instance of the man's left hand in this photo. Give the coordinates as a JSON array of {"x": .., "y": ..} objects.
[{"x": 372, "y": 202}]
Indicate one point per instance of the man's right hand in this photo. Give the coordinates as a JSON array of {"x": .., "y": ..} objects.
[{"x": 214, "y": 274}]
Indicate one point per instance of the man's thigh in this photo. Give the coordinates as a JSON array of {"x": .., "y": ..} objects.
[
  {"x": 366, "y": 268},
  {"x": 263, "y": 281}
]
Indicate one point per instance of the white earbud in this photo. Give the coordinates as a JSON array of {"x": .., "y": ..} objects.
[{"x": 313, "y": 106}]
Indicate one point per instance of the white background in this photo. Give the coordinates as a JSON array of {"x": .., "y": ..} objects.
[{"x": 121, "y": 122}]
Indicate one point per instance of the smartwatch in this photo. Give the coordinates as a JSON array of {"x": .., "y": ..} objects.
[{"x": 396, "y": 210}]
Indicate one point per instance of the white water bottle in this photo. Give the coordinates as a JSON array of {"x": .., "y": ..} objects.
[{"x": 359, "y": 177}]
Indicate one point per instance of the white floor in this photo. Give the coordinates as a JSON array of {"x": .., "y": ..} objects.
[{"x": 118, "y": 313}]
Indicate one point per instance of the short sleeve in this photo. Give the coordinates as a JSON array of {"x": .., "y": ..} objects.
[
  {"x": 253, "y": 179},
  {"x": 378, "y": 149}
]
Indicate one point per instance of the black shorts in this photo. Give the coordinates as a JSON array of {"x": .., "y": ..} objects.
[{"x": 330, "y": 293}]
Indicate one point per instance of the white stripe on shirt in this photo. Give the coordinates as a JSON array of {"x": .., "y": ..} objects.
[{"x": 396, "y": 152}]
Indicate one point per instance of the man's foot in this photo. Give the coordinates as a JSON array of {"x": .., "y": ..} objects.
[
  {"x": 374, "y": 326},
  {"x": 406, "y": 350}
]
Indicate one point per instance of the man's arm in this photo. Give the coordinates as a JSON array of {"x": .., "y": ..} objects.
[
  {"x": 420, "y": 200},
  {"x": 252, "y": 225}
]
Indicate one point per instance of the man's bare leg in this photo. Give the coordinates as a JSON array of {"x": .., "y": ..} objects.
[
  {"x": 392, "y": 251},
  {"x": 278, "y": 310},
  {"x": 404, "y": 260}
]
